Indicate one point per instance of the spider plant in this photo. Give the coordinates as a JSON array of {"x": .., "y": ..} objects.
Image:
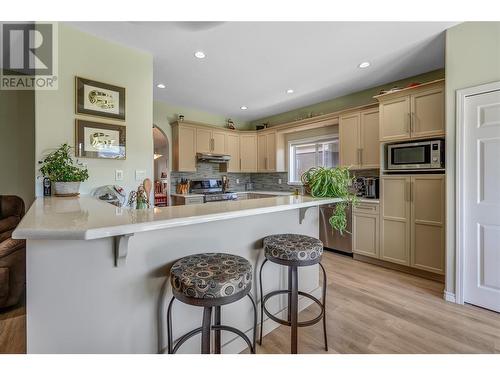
[{"x": 323, "y": 182}]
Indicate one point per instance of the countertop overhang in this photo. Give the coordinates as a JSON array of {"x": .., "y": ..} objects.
[{"x": 87, "y": 218}]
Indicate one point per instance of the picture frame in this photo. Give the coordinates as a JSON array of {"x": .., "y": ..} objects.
[
  {"x": 100, "y": 140},
  {"x": 99, "y": 99}
]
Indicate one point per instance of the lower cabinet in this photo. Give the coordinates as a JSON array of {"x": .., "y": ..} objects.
[
  {"x": 413, "y": 221},
  {"x": 179, "y": 200},
  {"x": 365, "y": 224}
]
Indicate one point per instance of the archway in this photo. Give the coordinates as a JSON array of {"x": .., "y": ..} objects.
[{"x": 161, "y": 172}]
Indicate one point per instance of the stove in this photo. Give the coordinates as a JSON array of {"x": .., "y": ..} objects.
[
  {"x": 212, "y": 190},
  {"x": 220, "y": 196}
]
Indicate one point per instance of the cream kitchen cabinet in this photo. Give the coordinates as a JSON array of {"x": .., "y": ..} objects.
[
  {"x": 427, "y": 250},
  {"x": 266, "y": 152},
  {"x": 210, "y": 141},
  {"x": 248, "y": 153},
  {"x": 412, "y": 221},
  {"x": 395, "y": 219},
  {"x": 184, "y": 148},
  {"x": 416, "y": 112},
  {"x": 359, "y": 141},
  {"x": 365, "y": 226},
  {"x": 233, "y": 150}
]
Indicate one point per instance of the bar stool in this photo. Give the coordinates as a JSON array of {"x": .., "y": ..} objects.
[
  {"x": 293, "y": 250},
  {"x": 210, "y": 280}
]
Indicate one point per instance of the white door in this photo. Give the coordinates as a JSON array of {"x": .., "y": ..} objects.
[{"x": 481, "y": 199}]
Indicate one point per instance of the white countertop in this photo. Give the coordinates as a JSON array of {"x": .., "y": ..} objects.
[{"x": 87, "y": 218}]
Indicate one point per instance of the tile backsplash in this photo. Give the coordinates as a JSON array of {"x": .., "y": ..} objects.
[{"x": 260, "y": 181}]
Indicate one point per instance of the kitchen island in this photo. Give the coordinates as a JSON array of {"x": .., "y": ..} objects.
[{"x": 97, "y": 275}]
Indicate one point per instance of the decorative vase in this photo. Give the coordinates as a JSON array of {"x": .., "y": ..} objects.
[{"x": 66, "y": 189}]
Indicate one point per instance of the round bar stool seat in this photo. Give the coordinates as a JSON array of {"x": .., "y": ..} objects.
[
  {"x": 210, "y": 280},
  {"x": 293, "y": 250}
]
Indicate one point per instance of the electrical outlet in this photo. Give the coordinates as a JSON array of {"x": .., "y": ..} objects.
[
  {"x": 118, "y": 175},
  {"x": 279, "y": 181},
  {"x": 237, "y": 180},
  {"x": 140, "y": 174}
]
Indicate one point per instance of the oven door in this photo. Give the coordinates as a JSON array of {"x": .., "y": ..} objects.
[{"x": 409, "y": 156}]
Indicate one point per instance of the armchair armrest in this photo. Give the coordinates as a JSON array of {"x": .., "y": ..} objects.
[{"x": 8, "y": 223}]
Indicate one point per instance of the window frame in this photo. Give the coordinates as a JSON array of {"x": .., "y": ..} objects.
[{"x": 305, "y": 141}]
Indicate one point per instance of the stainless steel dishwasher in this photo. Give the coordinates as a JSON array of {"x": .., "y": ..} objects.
[{"x": 330, "y": 237}]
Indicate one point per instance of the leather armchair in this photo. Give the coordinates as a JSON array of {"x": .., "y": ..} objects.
[{"x": 12, "y": 252}]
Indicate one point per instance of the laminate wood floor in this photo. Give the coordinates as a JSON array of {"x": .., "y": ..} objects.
[
  {"x": 369, "y": 310},
  {"x": 376, "y": 310}
]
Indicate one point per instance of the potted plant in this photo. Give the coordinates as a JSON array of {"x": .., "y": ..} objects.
[
  {"x": 63, "y": 171},
  {"x": 332, "y": 183}
]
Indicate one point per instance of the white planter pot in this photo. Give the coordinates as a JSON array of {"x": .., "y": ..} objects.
[{"x": 66, "y": 188}]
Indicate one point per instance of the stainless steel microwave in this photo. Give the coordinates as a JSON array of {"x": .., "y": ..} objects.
[{"x": 416, "y": 155}]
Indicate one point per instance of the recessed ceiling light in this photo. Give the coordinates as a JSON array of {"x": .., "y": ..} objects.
[
  {"x": 199, "y": 54},
  {"x": 243, "y": 107},
  {"x": 161, "y": 86},
  {"x": 289, "y": 91},
  {"x": 364, "y": 64}
]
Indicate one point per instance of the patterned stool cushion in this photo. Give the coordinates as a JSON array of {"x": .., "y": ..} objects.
[
  {"x": 293, "y": 247},
  {"x": 210, "y": 275}
]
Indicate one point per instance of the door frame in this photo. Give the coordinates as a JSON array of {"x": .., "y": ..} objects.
[{"x": 461, "y": 95}]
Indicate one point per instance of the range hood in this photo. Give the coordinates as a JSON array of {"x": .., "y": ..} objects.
[{"x": 212, "y": 158}]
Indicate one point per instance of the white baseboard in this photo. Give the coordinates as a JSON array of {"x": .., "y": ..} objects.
[
  {"x": 450, "y": 297},
  {"x": 237, "y": 345}
]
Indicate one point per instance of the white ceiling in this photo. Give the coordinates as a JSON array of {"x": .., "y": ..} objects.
[{"x": 254, "y": 63}]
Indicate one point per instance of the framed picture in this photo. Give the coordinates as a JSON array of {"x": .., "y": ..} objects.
[
  {"x": 99, "y": 99},
  {"x": 98, "y": 140}
]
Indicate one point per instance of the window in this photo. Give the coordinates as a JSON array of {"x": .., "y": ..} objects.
[{"x": 305, "y": 154}]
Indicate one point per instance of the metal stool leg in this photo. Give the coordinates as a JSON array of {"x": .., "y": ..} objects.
[
  {"x": 261, "y": 301},
  {"x": 217, "y": 317},
  {"x": 169, "y": 326},
  {"x": 289, "y": 293},
  {"x": 324, "y": 306},
  {"x": 254, "y": 337},
  {"x": 294, "y": 300},
  {"x": 205, "y": 330}
]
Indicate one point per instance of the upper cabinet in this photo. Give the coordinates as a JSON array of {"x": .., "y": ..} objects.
[
  {"x": 248, "y": 153},
  {"x": 266, "y": 152},
  {"x": 211, "y": 141},
  {"x": 415, "y": 112},
  {"x": 233, "y": 150},
  {"x": 184, "y": 148},
  {"x": 359, "y": 141}
]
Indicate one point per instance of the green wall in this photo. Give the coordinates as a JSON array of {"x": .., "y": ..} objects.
[
  {"x": 472, "y": 59},
  {"x": 346, "y": 101},
  {"x": 17, "y": 144},
  {"x": 84, "y": 55},
  {"x": 164, "y": 114}
]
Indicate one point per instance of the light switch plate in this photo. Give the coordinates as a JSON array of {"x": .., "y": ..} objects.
[
  {"x": 279, "y": 181},
  {"x": 237, "y": 180},
  {"x": 118, "y": 175},
  {"x": 140, "y": 174}
]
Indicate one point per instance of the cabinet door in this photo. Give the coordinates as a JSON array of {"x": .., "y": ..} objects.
[
  {"x": 395, "y": 219},
  {"x": 427, "y": 112},
  {"x": 219, "y": 142},
  {"x": 427, "y": 222},
  {"x": 233, "y": 150},
  {"x": 349, "y": 140},
  {"x": 395, "y": 119},
  {"x": 262, "y": 152},
  {"x": 203, "y": 140},
  {"x": 248, "y": 153},
  {"x": 369, "y": 139},
  {"x": 271, "y": 152},
  {"x": 365, "y": 234},
  {"x": 186, "y": 158}
]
